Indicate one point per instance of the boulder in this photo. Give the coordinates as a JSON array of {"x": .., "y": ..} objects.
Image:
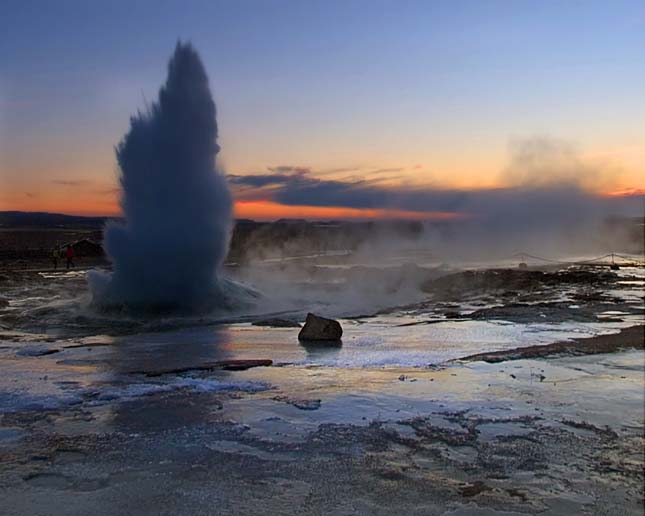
[{"x": 320, "y": 328}]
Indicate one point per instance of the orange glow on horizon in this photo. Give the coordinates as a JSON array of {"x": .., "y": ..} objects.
[
  {"x": 629, "y": 192},
  {"x": 91, "y": 205},
  {"x": 268, "y": 210},
  {"x": 257, "y": 210}
]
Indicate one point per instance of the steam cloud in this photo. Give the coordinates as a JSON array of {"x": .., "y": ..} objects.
[
  {"x": 176, "y": 202},
  {"x": 550, "y": 203}
]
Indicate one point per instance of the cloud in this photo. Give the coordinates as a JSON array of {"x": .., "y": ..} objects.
[
  {"x": 70, "y": 182},
  {"x": 288, "y": 169},
  {"x": 259, "y": 180},
  {"x": 304, "y": 189},
  {"x": 550, "y": 197},
  {"x": 387, "y": 170},
  {"x": 338, "y": 170},
  {"x": 111, "y": 191},
  {"x": 544, "y": 178}
]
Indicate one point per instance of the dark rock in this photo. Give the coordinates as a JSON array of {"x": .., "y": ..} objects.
[
  {"x": 534, "y": 312},
  {"x": 242, "y": 365},
  {"x": 300, "y": 404},
  {"x": 36, "y": 352},
  {"x": 320, "y": 328},
  {"x": 4, "y": 303},
  {"x": 475, "y": 488},
  {"x": 227, "y": 365},
  {"x": 583, "y": 425},
  {"x": 276, "y": 323},
  {"x": 628, "y": 338}
]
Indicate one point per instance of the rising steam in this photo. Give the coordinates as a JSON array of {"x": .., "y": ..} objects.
[{"x": 176, "y": 202}]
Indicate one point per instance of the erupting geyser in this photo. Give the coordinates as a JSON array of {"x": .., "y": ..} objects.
[{"x": 176, "y": 202}]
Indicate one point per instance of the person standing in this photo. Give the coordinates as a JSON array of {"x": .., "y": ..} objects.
[
  {"x": 55, "y": 257},
  {"x": 69, "y": 254}
]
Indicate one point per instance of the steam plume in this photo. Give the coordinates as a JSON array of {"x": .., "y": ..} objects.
[{"x": 176, "y": 203}]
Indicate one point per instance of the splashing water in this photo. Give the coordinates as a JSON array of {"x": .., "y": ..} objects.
[{"x": 177, "y": 205}]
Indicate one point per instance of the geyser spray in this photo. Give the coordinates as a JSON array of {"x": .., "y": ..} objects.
[{"x": 177, "y": 206}]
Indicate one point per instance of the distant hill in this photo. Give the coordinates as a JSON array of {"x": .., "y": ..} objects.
[{"x": 18, "y": 219}]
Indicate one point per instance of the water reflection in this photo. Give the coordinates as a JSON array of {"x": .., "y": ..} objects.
[
  {"x": 322, "y": 351},
  {"x": 151, "y": 352},
  {"x": 160, "y": 365}
]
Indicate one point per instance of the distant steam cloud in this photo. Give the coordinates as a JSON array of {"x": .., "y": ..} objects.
[
  {"x": 549, "y": 198},
  {"x": 70, "y": 182},
  {"x": 546, "y": 163},
  {"x": 176, "y": 202}
]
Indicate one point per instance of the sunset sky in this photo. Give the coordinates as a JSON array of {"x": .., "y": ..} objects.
[{"x": 332, "y": 109}]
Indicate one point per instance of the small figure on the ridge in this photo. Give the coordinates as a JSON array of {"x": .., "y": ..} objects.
[
  {"x": 70, "y": 256},
  {"x": 55, "y": 257}
]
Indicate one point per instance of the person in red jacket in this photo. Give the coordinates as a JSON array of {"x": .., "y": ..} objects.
[{"x": 69, "y": 254}]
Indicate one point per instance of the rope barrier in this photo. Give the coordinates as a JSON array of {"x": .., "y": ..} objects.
[{"x": 579, "y": 262}]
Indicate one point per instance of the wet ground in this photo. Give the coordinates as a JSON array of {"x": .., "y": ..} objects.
[{"x": 389, "y": 421}]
